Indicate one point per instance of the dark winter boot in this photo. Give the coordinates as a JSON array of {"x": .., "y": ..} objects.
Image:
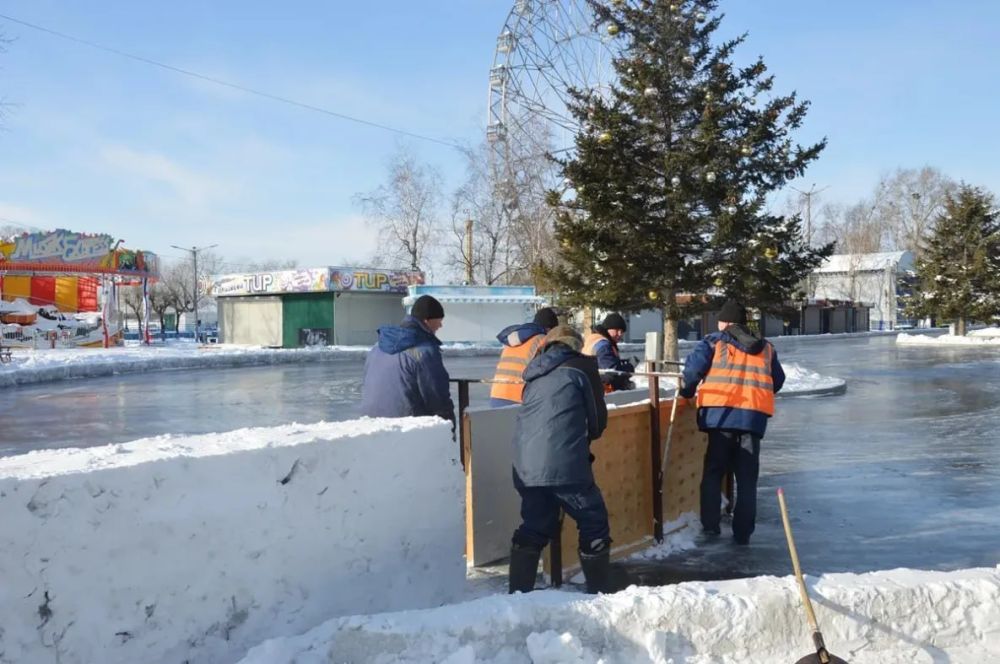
[
  {"x": 523, "y": 568},
  {"x": 596, "y": 570}
]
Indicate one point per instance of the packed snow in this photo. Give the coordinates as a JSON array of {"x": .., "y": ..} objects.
[
  {"x": 174, "y": 549},
  {"x": 877, "y": 618},
  {"x": 984, "y": 337}
]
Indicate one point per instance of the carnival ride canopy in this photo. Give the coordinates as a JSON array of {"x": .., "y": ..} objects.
[{"x": 65, "y": 268}]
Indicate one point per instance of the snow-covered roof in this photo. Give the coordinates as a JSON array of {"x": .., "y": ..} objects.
[{"x": 901, "y": 260}]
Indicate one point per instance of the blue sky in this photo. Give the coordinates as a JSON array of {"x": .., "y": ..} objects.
[{"x": 100, "y": 143}]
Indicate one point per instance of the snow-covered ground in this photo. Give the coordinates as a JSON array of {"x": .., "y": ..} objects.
[
  {"x": 877, "y": 618},
  {"x": 989, "y": 336}
]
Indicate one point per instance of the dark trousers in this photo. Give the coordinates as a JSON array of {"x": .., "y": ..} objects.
[
  {"x": 540, "y": 515},
  {"x": 737, "y": 452}
]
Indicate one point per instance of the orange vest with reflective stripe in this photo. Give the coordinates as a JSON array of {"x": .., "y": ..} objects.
[
  {"x": 510, "y": 369},
  {"x": 592, "y": 340},
  {"x": 589, "y": 343},
  {"x": 739, "y": 380}
]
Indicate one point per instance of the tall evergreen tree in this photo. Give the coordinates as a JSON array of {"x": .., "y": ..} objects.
[
  {"x": 666, "y": 191},
  {"x": 958, "y": 273}
]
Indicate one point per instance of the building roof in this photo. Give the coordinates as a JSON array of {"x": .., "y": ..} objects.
[
  {"x": 845, "y": 263},
  {"x": 476, "y": 294}
]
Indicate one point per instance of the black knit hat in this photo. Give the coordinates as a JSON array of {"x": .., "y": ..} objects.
[
  {"x": 614, "y": 322},
  {"x": 733, "y": 312},
  {"x": 546, "y": 318},
  {"x": 427, "y": 308}
]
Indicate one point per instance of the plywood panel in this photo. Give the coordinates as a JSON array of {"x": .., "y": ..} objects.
[
  {"x": 493, "y": 507},
  {"x": 682, "y": 478}
]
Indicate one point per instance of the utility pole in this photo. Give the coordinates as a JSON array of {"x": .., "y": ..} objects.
[
  {"x": 194, "y": 258},
  {"x": 469, "y": 278},
  {"x": 808, "y": 196}
]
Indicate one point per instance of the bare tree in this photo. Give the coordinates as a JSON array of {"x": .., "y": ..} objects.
[
  {"x": 180, "y": 281},
  {"x": 405, "y": 210},
  {"x": 856, "y": 229},
  {"x": 4, "y": 104},
  {"x": 908, "y": 202},
  {"x": 492, "y": 259},
  {"x": 272, "y": 265},
  {"x": 132, "y": 298},
  {"x": 160, "y": 301}
]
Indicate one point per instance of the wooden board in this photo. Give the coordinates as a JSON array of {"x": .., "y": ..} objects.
[{"x": 682, "y": 479}]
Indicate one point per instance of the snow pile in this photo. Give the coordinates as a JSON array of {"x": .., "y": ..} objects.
[
  {"x": 986, "y": 332},
  {"x": 986, "y": 337},
  {"x": 680, "y": 535},
  {"x": 801, "y": 382},
  {"x": 36, "y": 366},
  {"x": 175, "y": 549},
  {"x": 878, "y": 618}
]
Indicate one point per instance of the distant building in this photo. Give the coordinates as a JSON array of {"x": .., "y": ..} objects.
[
  {"x": 476, "y": 314},
  {"x": 311, "y": 306},
  {"x": 873, "y": 279}
]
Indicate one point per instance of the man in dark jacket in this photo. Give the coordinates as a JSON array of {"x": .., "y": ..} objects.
[
  {"x": 739, "y": 375},
  {"x": 562, "y": 413},
  {"x": 602, "y": 343},
  {"x": 520, "y": 345},
  {"x": 404, "y": 373}
]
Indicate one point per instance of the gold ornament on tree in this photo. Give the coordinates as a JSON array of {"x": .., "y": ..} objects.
[
  {"x": 771, "y": 253},
  {"x": 653, "y": 295},
  {"x": 604, "y": 138}
]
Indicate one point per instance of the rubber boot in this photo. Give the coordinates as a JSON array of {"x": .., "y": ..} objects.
[
  {"x": 596, "y": 570},
  {"x": 523, "y": 568}
]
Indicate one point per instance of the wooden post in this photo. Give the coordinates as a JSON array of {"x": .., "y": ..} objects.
[
  {"x": 555, "y": 555},
  {"x": 463, "y": 403},
  {"x": 654, "y": 447}
]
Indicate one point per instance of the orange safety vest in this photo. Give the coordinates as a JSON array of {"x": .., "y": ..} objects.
[
  {"x": 739, "y": 380},
  {"x": 589, "y": 343},
  {"x": 510, "y": 369}
]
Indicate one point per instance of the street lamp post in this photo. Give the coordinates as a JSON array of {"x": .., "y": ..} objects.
[{"x": 194, "y": 257}]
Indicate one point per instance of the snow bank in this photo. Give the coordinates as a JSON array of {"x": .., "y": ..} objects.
[
  {"x": 174, "y": 549},
  {"x": 879, "y": 618},
  {"x": 977, "y": 338},
  {"x": 37, "y": 366}
]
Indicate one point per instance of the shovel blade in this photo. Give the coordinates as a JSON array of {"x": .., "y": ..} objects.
[{"x": 814, "y": 659}]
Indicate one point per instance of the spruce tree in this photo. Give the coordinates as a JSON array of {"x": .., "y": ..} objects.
[
  {"x": 958, "y": 273},
  {"x": 666, "y": 190}
]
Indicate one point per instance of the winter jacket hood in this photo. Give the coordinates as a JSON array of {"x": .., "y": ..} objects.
[
  {"x": 520, "y": 334},
  {"x": 548, "y": 361},
  {"x": 393, "y": 339},
  {"x": 744, "y": 339}
]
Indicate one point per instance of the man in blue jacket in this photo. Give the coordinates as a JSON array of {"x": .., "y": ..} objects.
[
  {"x": 739, "y": 374},
  {"x": 562, "y": 413},
  {"x": 602, "y": 343},
  {"x": 404, "y": 373}
]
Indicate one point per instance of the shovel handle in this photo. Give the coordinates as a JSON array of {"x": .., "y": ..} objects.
[{"x": 795, "y": 563}]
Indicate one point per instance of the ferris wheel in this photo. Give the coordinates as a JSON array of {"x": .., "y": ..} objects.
[{"x": 546, "y": 47}]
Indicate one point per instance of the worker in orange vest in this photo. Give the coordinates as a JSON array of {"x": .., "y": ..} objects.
[
  {"x": 520, "y": 345},
  {"x": 739, "y": 374},
  {"x": 602, "y": 343}
]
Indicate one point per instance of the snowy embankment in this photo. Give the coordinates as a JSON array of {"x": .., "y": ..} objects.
[
  {"x": 879, "y": 618},
  {"x": 38, "y": 366},
  {"x": 175, "y": 549},
  {"x": 989, "y": 336}
]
